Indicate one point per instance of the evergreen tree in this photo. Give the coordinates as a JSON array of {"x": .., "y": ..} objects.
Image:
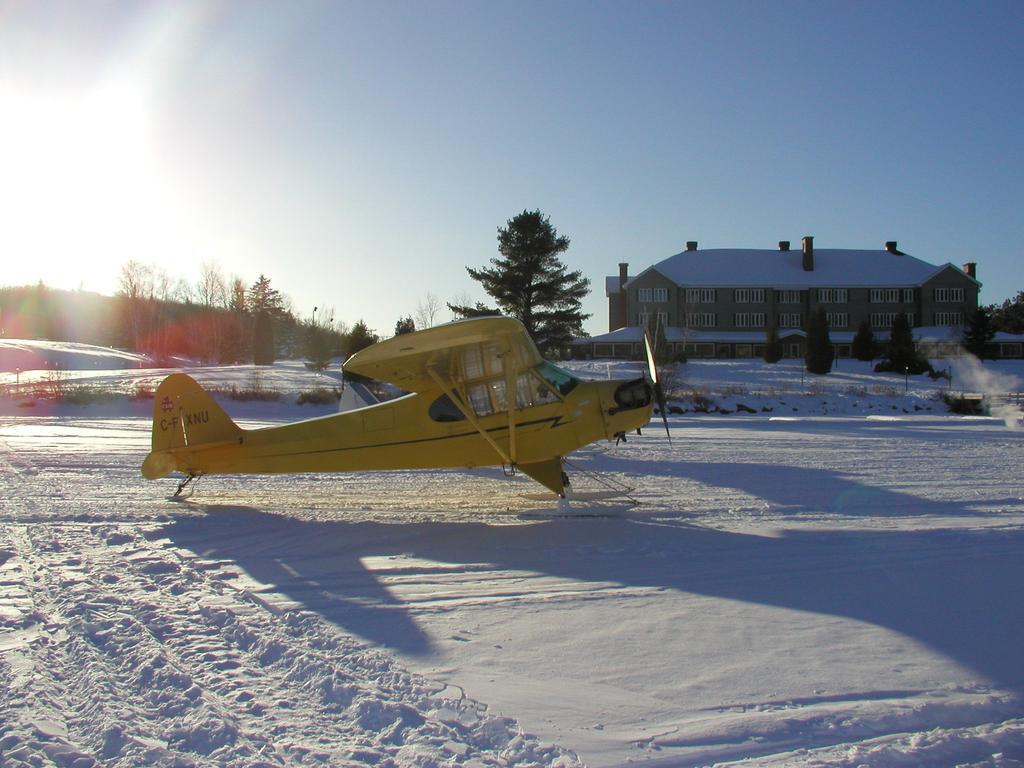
[
  {"x": 773, "y": 345},
  {"x": 263, "y": 340},
  {"x": 404, "y": 325},
  {"x": 978, "y": 332},
  {"x": 1009, "y": 316},
  {"x": 900, "y": 354},
  {"x": 528, "y": 281},
  {"x": 360, "y": 337},
  {"x": 864, "y": 342},
  {"x": 263, "y": 297},
  {"x": 463, "y": 311},
  {"x": 819, "y": 354}
]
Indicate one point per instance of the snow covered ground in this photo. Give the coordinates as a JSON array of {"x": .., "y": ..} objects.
[{"x": 793, "y": 588}]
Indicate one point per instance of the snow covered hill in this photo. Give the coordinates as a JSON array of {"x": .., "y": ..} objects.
[{"x": 792, "y": 588}]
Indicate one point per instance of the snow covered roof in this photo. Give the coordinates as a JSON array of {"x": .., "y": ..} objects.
[
  {"x": 937, "y": 333},
  {"x": 784, "y": 269},
  {"x": 611, "y": 284}
]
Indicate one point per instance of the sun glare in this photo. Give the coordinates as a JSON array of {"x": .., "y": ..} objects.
[{"x": 80, "y": 188}]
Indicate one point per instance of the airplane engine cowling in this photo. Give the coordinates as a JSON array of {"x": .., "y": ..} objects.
[{"x": 632, "y": 394}]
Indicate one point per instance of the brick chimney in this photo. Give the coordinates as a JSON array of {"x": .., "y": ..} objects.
[
  {"x": 691, "y": 245},
  {"x": 783, "y": 245},
  {"x": 808, "y": 245},
  {"x": 971, "y": 268},
  {"x": 624, "y": 270},
  {"x": 890, "y": 246}
]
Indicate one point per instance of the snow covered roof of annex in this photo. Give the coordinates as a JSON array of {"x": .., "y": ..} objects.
[
  {"x": 760, "y": 267},
  {"x": 635, "y": 334}
]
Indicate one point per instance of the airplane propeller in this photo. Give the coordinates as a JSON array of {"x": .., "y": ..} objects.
[{"x": 659, "y": 393}]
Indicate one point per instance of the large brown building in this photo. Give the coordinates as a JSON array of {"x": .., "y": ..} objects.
[{"x": 721, "y": 302}]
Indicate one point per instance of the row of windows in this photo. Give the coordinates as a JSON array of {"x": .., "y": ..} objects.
[
  {"x": 949, "y": 295},
  {"x": 825, "y": 295},
  {"x": 892, "y": 295},
  {"x": 652, "y": 295},
  {"x": 749, "y": 295},
  {"x": 832, "y": 295},
  {"x": 701, "y": 295},
  {"x": 748, "y": 320},
  {"x": 837, "y": 320},
  {"x": 645, "y": 318}
]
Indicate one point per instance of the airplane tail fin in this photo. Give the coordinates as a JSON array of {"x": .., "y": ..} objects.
[{"x": 185, "y": 418}]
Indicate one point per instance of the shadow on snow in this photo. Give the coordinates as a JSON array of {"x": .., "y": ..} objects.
[{"x": 957, "y": 592}]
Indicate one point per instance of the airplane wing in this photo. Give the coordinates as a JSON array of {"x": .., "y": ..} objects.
[{"x": 466, "y": 349}]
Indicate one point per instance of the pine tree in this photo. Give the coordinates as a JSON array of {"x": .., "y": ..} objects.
[
  {"x": 1009, "y": 316},
  {"x": 819, "y": 354},
  {"x": 773, "y": 345},
  {"x": 263, "y": 297},
  {"x": 900, "y": 354},
  {"x": 529, "y": 282},
  {"x": 404, "y": 325},
  {"x": 360, "y": 337},
  {"x": 979, "y": 332},
  {"x": 864, "y": 342},
  {"x": 263, "y": 340}
]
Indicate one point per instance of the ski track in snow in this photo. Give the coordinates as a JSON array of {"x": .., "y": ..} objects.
[
  {"x": 767, "y": 603},
  {"x": 121, "y": 649}
]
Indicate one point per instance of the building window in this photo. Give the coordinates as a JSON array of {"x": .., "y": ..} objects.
[
  {"x": 744, "y": 350},
  {"x": 949, "y": 318},
  {"x": 1011, "y": 349},
  {"x": 749, "y": 295},
  {"x": 838, "y": 319},
  {"x": 789, "y": 320},
  {"x": 644, "y": 318},
  {"x": 908, "y": 295},
  {"x": 699, "y": 350},
  {"x": 832, "y": 295},
  {"x": 788, "y": 297},
  {"x": 885, "y": 295},
  {"x": 749, "y": 319},
  {"x": 910, "y": 319},
  {"x": 882, "y": 320},
  {"x": 652, "y": 295},
  {"x": 700, "y": 295},
  {"x": 949, "y": 294},
  {"x": 701, "y": 319}
]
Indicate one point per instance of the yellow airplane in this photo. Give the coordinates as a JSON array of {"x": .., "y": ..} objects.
[{"x": 480, "y": 395}]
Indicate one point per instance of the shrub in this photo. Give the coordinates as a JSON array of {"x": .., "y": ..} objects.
[
  {"x": 85, "y": 394},
  {"x": 318, "y": 396}
]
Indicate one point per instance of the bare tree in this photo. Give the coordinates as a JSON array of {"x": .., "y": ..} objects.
[
  {"x": 426, "y": 311},
  {"x": 184, "y": 292},
  {"x": 136, "y": 284},
  {"x": 136, "y": 279},
  {"x": 459, "y": 300},
  {"x": 212, "y": 289}
]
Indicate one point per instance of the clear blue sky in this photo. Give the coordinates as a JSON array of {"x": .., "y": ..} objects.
[{"x": 363, "y": 154}]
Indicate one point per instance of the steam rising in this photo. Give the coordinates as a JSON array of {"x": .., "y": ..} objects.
[{"x": 971, "y": 376}]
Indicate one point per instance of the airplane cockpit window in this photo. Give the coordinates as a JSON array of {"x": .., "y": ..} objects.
[
  {"x": 483, "y": 369},
  {"x": 486, "y": 389},
  {"x": 443, "y": 409},
  {"x": 481, "y": 360},
  {"x": 560, "y": 379},
  {"x": 530, "y": 390}
]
